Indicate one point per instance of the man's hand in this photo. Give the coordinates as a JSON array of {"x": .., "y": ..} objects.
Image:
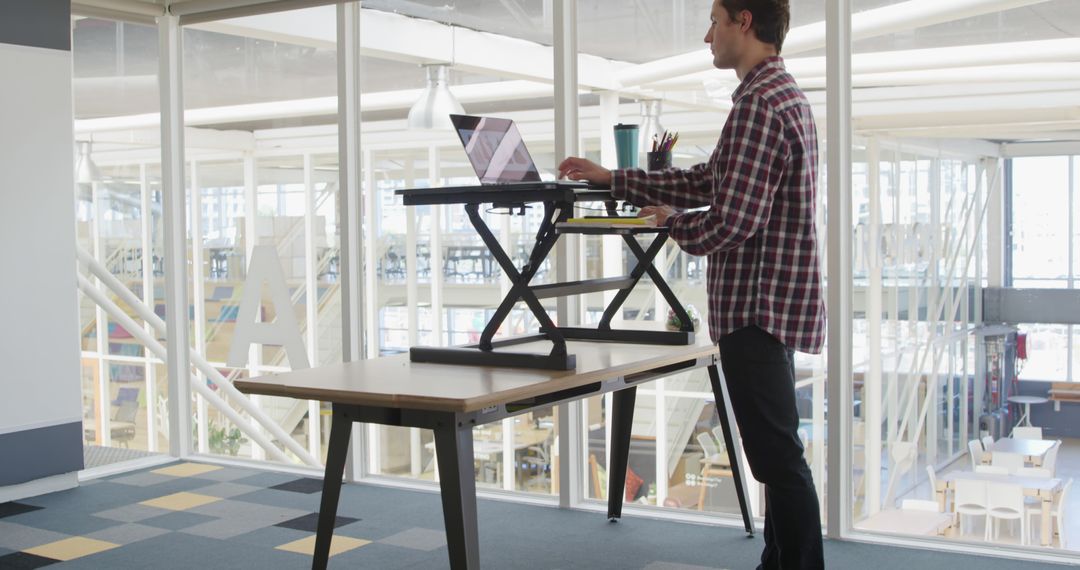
[
  {"x": 662, "y": 213},
  {"x": 576, "y": 168}
]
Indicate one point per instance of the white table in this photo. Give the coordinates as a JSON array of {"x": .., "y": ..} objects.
[
  {"x": 907, "y": 522},
  {"x": 1027, "y": 401},
  {"x": 1033, "y": 450},
  {"x": 1043, "y": 489}
]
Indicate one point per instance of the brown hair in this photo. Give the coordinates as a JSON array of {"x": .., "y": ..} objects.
[{"x": 771, "y": 18}]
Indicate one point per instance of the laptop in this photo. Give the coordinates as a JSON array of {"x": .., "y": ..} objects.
[{"x": 498, "y": 153}]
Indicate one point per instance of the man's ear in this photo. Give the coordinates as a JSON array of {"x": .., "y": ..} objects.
[{"x": 746, "y": 20}]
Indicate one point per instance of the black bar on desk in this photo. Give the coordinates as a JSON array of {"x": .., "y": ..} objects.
[
  {"x": 457, "y": 481},
  {"x": 336, "y": 452},
  {"x": 671, "y": 338},
  {"x": 731, "y": 429},
  {"x": 645, "y": 259},
  {"x": 581, "y": 287},
  {"x": 476, "y": 357},
  {"x": 622, "y": 421}
]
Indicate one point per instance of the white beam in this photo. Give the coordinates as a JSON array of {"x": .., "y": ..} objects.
[{"x": 909, "y": 15}]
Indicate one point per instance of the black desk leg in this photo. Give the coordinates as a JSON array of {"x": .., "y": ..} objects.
[
  {"x": 622, "y": 421},
  {"x": 727, "y": 423},
  {"x": 457, "y": 480},
  {"x": 336, "y": 452}
]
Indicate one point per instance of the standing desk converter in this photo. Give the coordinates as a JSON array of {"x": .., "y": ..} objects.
[
  {"x": 558, "y": 199},
  {"x": 452, "y": 399}
]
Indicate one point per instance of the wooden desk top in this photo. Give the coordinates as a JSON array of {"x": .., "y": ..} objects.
[{"x": 396, "y": 382}]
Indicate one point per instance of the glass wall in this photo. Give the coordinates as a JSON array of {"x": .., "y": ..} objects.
[{"x": 118, "y": 216}]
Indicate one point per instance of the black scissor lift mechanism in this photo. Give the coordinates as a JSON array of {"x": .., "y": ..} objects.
[{"x": 558, "y": 203}]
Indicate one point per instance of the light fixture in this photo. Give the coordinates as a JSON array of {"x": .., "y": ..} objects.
[
  {"x": 85, "y": 169},
  {"x": 650, "y": 124},
  {"x": 436, "y": 103}
]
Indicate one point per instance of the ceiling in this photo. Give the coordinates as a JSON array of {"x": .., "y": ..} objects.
[{"x": 292, "y": 57}]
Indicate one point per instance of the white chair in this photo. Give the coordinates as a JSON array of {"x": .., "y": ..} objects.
[
  {"x": 1005, "y": 501},
  {"x": 1057, "y": 512},
  {"x": 975, "y": 449},
  {"x": 1022, "y": 432},
  {"x": 987, "y": 442},
  {"x": 708, "y": 445},
  {"x": 1050, "y": 460},
  {"x": 919, "y": 505},
  {"x": 1035, "y": 472},
  {"x": 969, "y": 499},
  {"x": 1010, "y": 461},
  {"x": 933, "y": 481},
  {"x": 718, "y": 432},
  {"x": 991, "y": 470}
]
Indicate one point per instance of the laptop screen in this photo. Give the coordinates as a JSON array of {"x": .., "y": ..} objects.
[{"x": 495, "y": 149}]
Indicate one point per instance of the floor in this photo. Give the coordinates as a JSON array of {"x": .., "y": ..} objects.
[{"x": 191, "y": 515}]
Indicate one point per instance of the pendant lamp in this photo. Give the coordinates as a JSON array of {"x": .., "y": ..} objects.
[{"x": 436, "y": 103}]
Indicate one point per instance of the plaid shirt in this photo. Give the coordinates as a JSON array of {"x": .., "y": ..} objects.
[{"x": 758, "y": 232}]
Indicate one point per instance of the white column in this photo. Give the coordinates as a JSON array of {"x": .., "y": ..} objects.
[
  {"x": 349, "y": 203},
  {"x": 170, "y": 54},
  {"x": 566, "y": 144},
  {"x": 436, "y": 251},
  {"x": 871, "y": 397},
  {"x": 839, "y": 138},
  {"x": 311, "y": 306},
  {"x": 611, "y": 245},
  {"x": 101, "y": 324},
  {"x": 147, "y": 239},
  {"x": 251, "y": 239},
  {"x": 198, "y": 300}
]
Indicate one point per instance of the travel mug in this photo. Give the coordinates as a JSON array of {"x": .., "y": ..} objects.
[
  {"x": 626, "y": 145},
  {"x": 658, "y": 159}
]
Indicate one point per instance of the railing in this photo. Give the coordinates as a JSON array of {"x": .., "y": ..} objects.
[{"x": 258, "y": 415}]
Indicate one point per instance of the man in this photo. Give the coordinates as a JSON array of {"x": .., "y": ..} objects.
[{"x": 764, "y": 276}]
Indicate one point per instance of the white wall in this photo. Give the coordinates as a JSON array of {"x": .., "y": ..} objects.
[{"x": 39, "y": 328}]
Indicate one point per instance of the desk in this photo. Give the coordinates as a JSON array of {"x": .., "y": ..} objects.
[
  {"x": 1027, "y": 401},
  {"x": 1033, "y": 450},
  {"x": 907, "y": 522},
  {"x": 451, "y": 399},
  {"x": 1044, "y": 489}
]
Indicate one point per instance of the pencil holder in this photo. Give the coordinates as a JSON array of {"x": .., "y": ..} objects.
[{"x": 658, "y": 159}]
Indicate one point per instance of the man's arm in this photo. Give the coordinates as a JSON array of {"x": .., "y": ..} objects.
[
  {"x": 678, "y": 188},
  {"x": 751, "y": 168}
]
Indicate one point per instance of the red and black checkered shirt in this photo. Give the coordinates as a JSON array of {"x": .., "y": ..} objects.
[{"x": 758, "y": 230}]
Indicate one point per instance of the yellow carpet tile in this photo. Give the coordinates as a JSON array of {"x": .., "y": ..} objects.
[
  {"x": 338, "y": 545},
  {"x": 71, "y": 548},
  {"x": 186, "y": 469},
  {"x": 180, "y": 501}
]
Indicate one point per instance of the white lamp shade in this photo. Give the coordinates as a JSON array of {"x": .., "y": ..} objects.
[
  {"x": 436, "y": 103},
  {"x": 85, "y": 169}
]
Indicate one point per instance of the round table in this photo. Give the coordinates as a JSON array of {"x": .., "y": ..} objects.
[{"x": 1027, "y": 401}]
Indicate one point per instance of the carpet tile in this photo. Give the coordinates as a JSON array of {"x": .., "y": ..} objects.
[
  {"x": 127, "y": 533},
  {"x": 24, "y": 561},
  {"x": 13, "y": 508},
  {"x": 235, "y": 518},
  {"x": 309, "y": 522},
  {"x": 417, "y": 538},
  {"x": 304, "y": 485},
  {"x": 226, "y": 490},
  {"x": 180, "y": 501},
  {"x": 178, "y": 520},
  {"x": 18, "y": 537},
  {"x": 71, "y": 548},
  {"x": 131, "y": 513},
  {"x": 187, "y": 469},
  {"x": 338, "y": 545}
]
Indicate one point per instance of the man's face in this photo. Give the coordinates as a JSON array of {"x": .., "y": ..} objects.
[{"x": 723, "y": 37}]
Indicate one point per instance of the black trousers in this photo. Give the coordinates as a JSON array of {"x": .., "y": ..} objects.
[{"x": 760, "y": 374}]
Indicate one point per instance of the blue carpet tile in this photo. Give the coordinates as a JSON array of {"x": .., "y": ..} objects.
[{"x": 187, "y": 515}]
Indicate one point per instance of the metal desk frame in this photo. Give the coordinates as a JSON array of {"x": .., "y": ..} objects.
[
  {"x": 454, "y": 452},
  {"x": 558, "y": 200}
]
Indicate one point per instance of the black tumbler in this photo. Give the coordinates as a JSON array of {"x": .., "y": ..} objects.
[{"x": 658, "y": 159}]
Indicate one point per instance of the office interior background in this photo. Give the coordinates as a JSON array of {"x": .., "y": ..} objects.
[{"x": 216, "y": 129}]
